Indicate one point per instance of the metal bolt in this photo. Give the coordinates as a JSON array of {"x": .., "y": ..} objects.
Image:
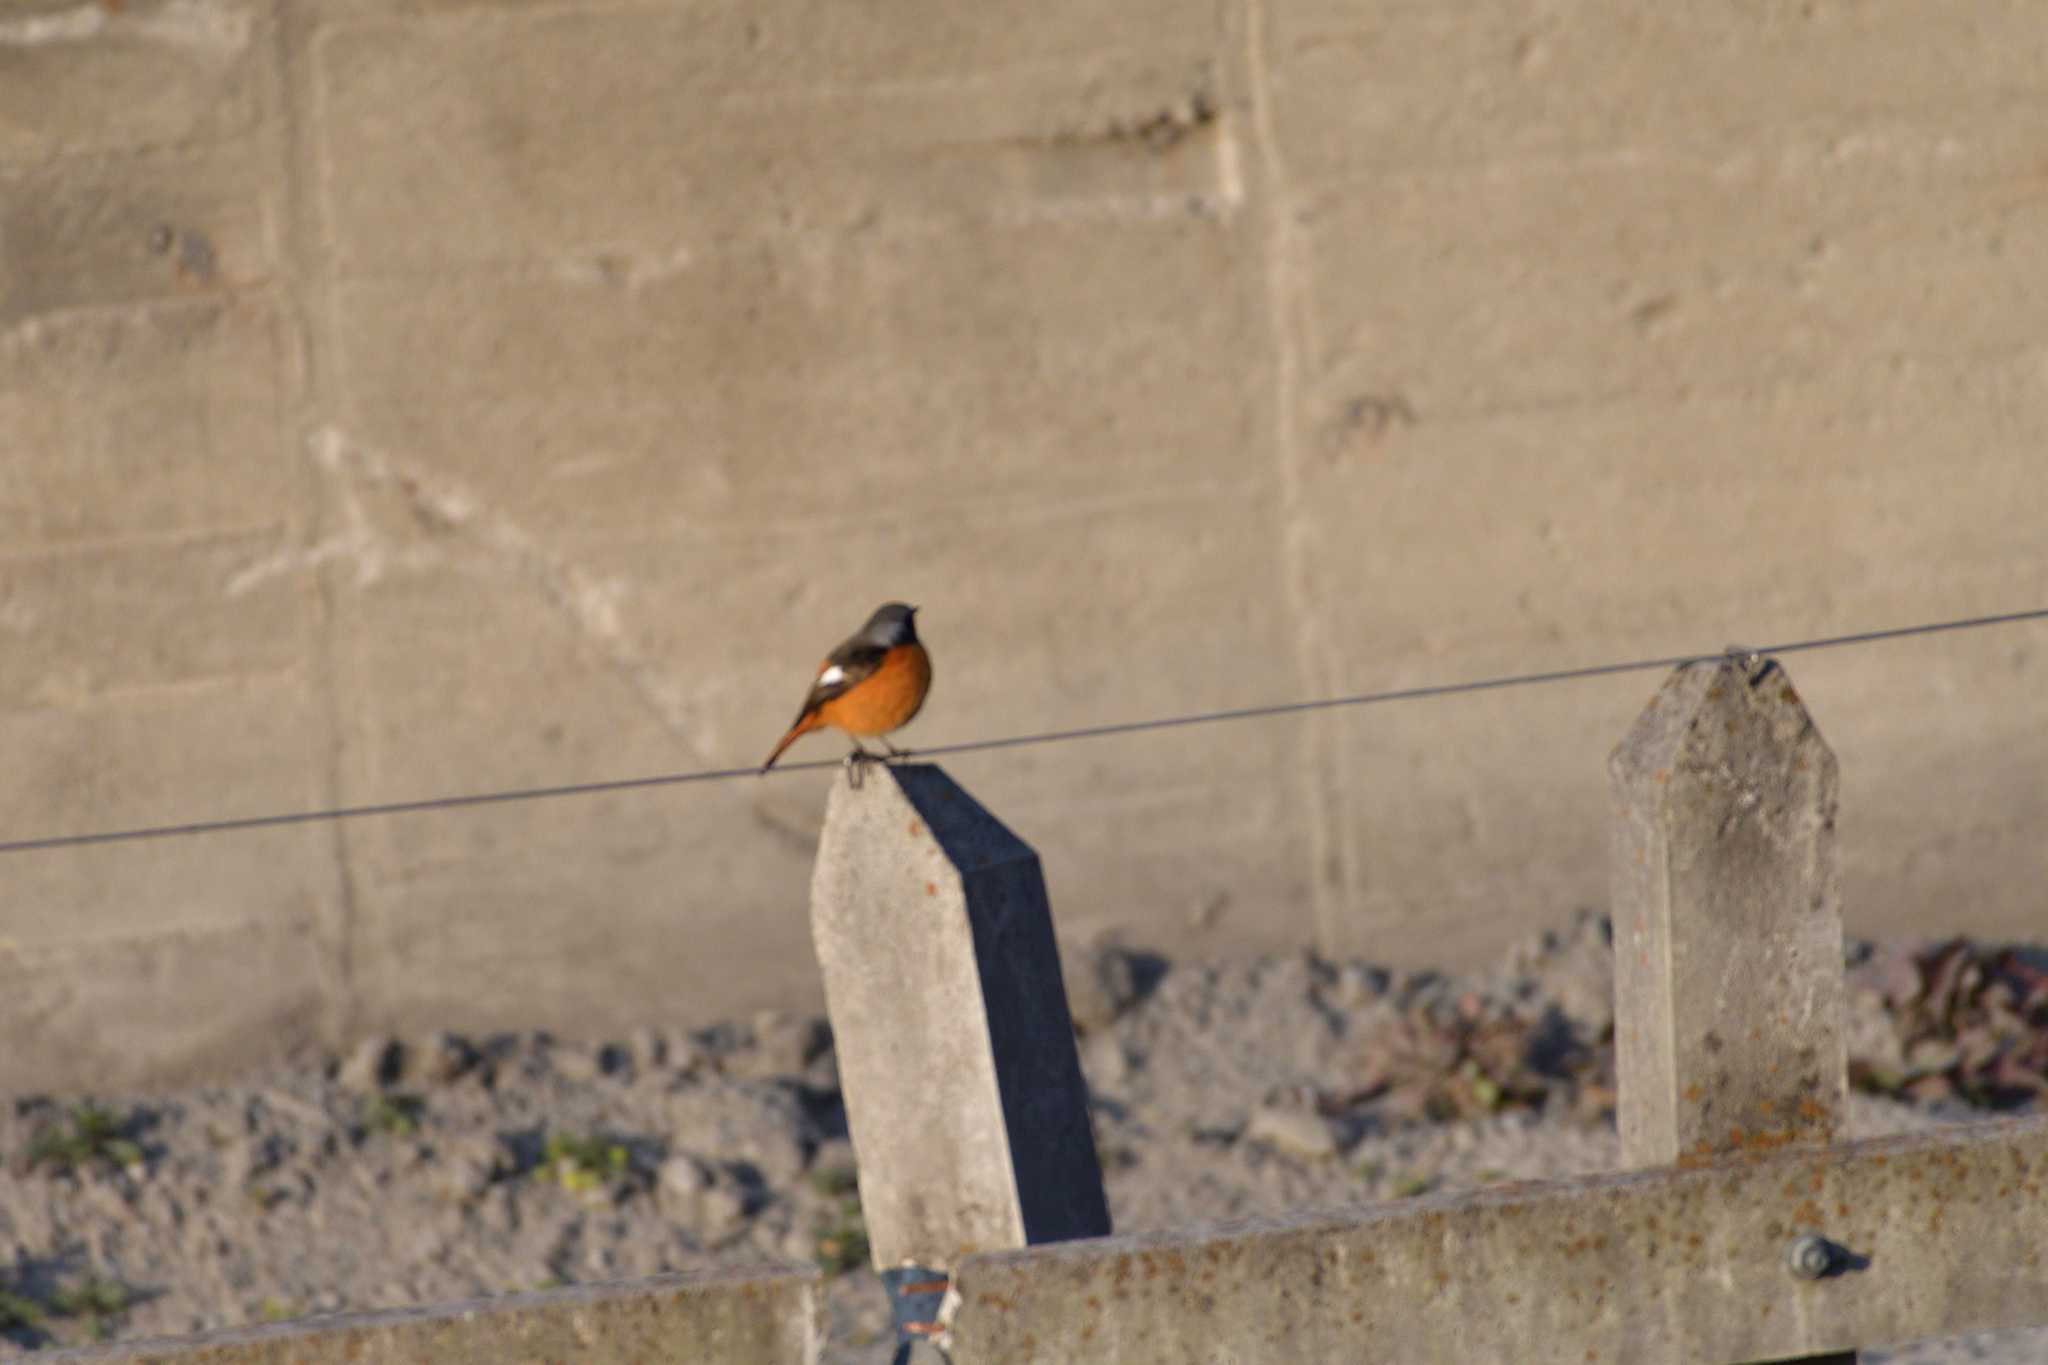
[{"x": 1809, "y": 1256}]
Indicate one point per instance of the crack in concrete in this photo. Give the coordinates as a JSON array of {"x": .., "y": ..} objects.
[
  {"x": 462, "y": 535},
  {"x": 625, "y": 269},
  {"x": 1334, "y": 878},
  {"x": 1158, "y": 130},
  {"x": 178, "y": 23}
]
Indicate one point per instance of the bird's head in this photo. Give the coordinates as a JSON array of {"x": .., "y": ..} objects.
[{"x": 892, "y": 624}]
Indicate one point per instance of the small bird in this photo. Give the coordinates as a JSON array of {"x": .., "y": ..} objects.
[{"x": 872, "y": 684}]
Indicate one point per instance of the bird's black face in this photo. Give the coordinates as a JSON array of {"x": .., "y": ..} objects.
[{"x": 891, "y": 625}]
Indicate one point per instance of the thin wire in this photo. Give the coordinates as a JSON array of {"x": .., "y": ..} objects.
[
  {"x": 1477, "y": 685},
  {"x": 1130, "y": 727}
]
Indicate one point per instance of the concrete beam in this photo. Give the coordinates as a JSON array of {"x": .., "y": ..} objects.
[
  {"x": 1930, "y": 1235},
  {"x": 1727, "y": 919},
  {"x": 956, "y": 1054},
  {"x": 747, "y": 1317}
]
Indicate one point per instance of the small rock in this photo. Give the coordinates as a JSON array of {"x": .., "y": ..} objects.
[
  {"x": 1932, "y": 1088},
  {"x": 783, "y": 1045},
  {"x": 1932, "y": 1054},
  {"x": 1297, "y": 1132},
  {"x": 574, "y": 1062},
  {"x": 498, "y": 1211},
  {"x": 159, "y": 1207},
  {"x": 1291, "y": 976},
  {"x": 1426, "y": 990},
  {"x": 681, "y": 1178},
  {"x": 683, "y": 1056},
  {"x": 1867, "y": 1031},
  {"x": 437, "y": 1059},
  {"x": 1104, "y": 1061},
  {"x": 713, "y": 1208},
  {"x": 1894, "y": 972},
  {"x": 1356, "y": 984},
  {"x": 1104, "y": 980},
  {"x": 648, "y": 1047},
  {"x": 528, "y": 1056},
  {"x": 655, "y": 1050},
  {"x": 376, "y": 1062},
  {"x": 798, "y": 1245},
  {"x": 1576, "y": 969},
  {"x": 464, "y": 1167},
  {"x": 833, "y": 1154},
  {"x": 758, "y": 1123},
  {"x": 822, "y": 1074},
  {"x": 240, "y": 1159}
]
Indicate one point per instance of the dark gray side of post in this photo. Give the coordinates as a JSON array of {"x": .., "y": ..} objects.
[
  {"x": 1044, "y": 1093},
  {"x": 1031, "y": 1034},
  {"x": 1727, "y": 924}
]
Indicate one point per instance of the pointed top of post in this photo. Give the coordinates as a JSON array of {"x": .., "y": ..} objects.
[
  {"x": 1730, "y": 715},
  {"x": 966, "y": 833}
]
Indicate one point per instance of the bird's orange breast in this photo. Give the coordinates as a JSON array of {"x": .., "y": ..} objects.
[{"x": 887, "y": 698}]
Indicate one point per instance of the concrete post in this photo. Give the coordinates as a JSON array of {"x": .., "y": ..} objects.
[
  {"x": 956, "y": 1055},
  {"x": 1727, "y": 922}
]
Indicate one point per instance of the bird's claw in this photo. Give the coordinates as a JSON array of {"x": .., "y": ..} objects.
[{"x": 856, "y": 766}]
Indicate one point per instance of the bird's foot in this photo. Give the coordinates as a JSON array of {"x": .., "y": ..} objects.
[{"x": 857, "y": 765}]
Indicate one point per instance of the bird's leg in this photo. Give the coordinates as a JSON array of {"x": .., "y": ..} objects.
[
  {"x": 857, "y": 761},
  {"x": 896, "y": 753}
]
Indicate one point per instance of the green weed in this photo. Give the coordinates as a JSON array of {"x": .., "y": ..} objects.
[
  {"x": 842, "y": 1233},
  {"x": 581, "y": 1165},
  {"x": 87, "y": 1133}
]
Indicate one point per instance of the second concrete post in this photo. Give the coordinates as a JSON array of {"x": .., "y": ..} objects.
[
  {"x": 1727, "y": 921},
  {"x": 1727, "y": 925}
]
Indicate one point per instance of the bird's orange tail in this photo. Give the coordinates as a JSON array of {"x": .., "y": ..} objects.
[{"x": 796, "y": 732}]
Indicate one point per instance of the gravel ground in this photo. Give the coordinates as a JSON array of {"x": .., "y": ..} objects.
[{"x": 423, "y": 1170}]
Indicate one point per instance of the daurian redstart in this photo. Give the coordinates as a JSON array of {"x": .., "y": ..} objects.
[{"x": 871, "y": 685}]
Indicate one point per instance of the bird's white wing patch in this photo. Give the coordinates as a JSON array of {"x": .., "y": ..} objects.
[{"x": 833, "y": 673}]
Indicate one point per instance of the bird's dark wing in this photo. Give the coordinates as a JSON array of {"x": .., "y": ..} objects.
[{"x": 843, "y": 668}]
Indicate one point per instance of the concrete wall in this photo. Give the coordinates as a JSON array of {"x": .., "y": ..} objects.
[
  {"x": 763, "y": 1316},
  {"x": 410, "y": 396}
]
